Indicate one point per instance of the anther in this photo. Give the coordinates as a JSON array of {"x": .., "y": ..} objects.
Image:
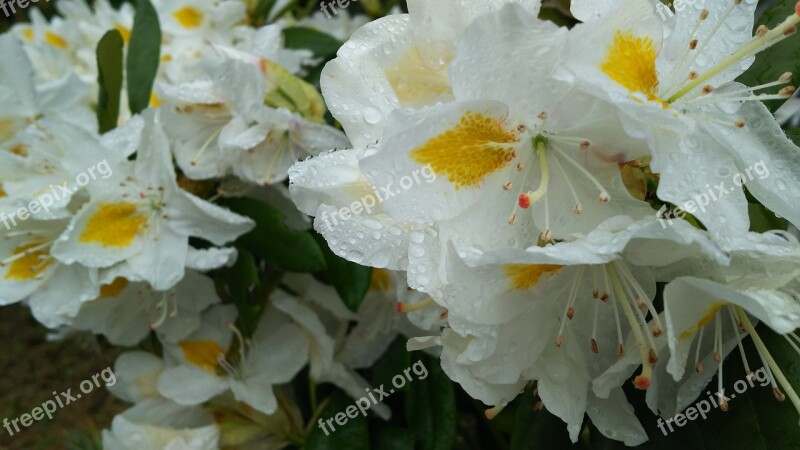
[
  {"x": 723, "y": 404},
  {"x": 542, "y": 115},
  {"x": 698, "y": 367},
  {"x": 717, "y": 357},
  {"x": 656, "y": 331},
  {"x": 560, "y": 340},
  {"x": 778, "y": 394},
  {"x": 693, "y": 44},
  {"x": 491, "y": 413},
  {"x": 704, "y": 14},
  {"x": 786, "y": 77},
  {"x": 653, "y": 356},
  {"x": 693, "y": 75},
  {"x": 603, "y": 199},
  {"x": 787, "y": 91},
  {"x": 620, "y": 350},
  {"x": 740, "y": 123},
  {"x": 762, "y": 31},
  {"x": 594, "y": 347},
  {"x": 570, "y": 312},
  {"x": 577, "y": 209},
  {"x": 707, "y": 89},
  {"x": 512, "y": 220},
  {"x": 585, "y": 145},
  {"x": 507, "y": 185}
]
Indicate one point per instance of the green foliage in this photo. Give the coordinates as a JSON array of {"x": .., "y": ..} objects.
[
  {"x": 109, "y": 78},
  {"x": 352, "y": 436},
  {"x": 350, "y": 279},
  {"x": 144, "y": 49},
  {"x": 321, "y": 44},
  {"x": 274, "y": 242}
]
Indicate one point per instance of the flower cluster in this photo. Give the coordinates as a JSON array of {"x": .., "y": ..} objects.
[
  {"x": 554, "y": 149},
  {"x": 138, "y": 228}
]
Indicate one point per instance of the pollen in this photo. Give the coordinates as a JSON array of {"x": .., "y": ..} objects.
[
  {"x": 31, "y": 265},
  {"x": 188, "y": 17},
  {"x": 113, "y": 225},
  {"x": 380, "y": 281},
  {"x": 55, "y": 40},
  {"x": 476, "y": 147},
  {"x": 202, "y": 353},
  {"x": 525, "y": 276},
  {"x": 631, "y": 62}
]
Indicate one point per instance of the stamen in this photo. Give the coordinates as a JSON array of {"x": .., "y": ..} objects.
[
  {"x": 698, "y": 366},
  {"x": 642, "y": 381},
  {"x": 196, "y": 158},
  {"x": 577, "y": 209},
  {"x": 762, "y": 350},
  {"x": 604, "y": 197},
  {"x": 491, "y": 413},
  {"x": 411, "y": 307}
]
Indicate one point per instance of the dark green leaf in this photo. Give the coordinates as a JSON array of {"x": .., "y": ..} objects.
[
  {"x": 762, "y": 219},
  {"x": 321, "y": 44},
  {"x": 144, "y": 50},
  {"x": 262, "y": 10},
  {"x": 273, "y": 241},
  {"x": 778, "y": 59},
  {"x": 109, "y": 78},
  {"x": 431, "y": 405},
  {"x": 537, "y": 430},
  {"x": 350, "y": 279},
  {"x": 392, "y": 438},
  {"x": 242, "y": 279},
  {"x": 353, "y": 435},
  {"x": 794, "y": 135}
]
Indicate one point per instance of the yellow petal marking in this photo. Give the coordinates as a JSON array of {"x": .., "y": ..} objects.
[
  {"x": 477, "y": 146},
  {"x": 188, "y": 17},
  {"x": 55, "y": 40},
  {"x": 705, "y": 320},
  {"x": 381, "y": 280},
  {"x": 27, "y": 33},
  {"x": 416, "y": 84},
  {"x": 113, "y": 289},
  {"x": 113, "y": 225},
  {"x": 631, "y": 62},
  {"x": 29, "y": 266},
  {"x": 202, "y": 353},
  {"x": 124, "y": 32},
  {"x": 525, "y": 276}
]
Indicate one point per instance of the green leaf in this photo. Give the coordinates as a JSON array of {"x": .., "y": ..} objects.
[
  {"x": 431, "y": 405},
  {"x": 242, "y": 279},
  {"x": 109, "y": 78},
  {"x": 262, "y": 10},
  {"x": 353, "y": 435},
  {"x": 144, "y": 50},
  {"x": 794, "y": 135},
  {"x": 762, "y": 219},
  {"x": 778, "y": 59},
  {"x": 393, "y": 438},
  {"x": 273, "y": 241},
  {"x": 323, "y": 45},
  {"x": 350, "y": 279},
  {"x": 537, "y": 430}
]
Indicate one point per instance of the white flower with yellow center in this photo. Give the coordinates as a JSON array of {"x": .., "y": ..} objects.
[
  {"x": 216, "y": 358},
  {"x": 400, "y": 61},
  {"x": 29, "y": 271},
  {"x": 126, "y": 312},
  {"x": 140, "y": 217},
  {"x": 703, "y": 322},
  {"x": 221, "y": 126},
  {"x": 559, "y": 314},
  {"x": 23, "y": 103},
  {"x": 673, "y": 85}
]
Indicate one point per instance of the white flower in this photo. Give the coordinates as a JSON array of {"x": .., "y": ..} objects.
[
  {"x": 126, "y": 312},
  {"x": 399, "y": 60},
  {"x": 211, "y": 362},
  {"x": 222, "y": 126},
  {"x": 156, "y": 424},
  {"x": 140, "y": 217},
  {"x": 673, "y": 85},
  {"x": 558, "y": 314},
  {"x": 22, "y": 102}
]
